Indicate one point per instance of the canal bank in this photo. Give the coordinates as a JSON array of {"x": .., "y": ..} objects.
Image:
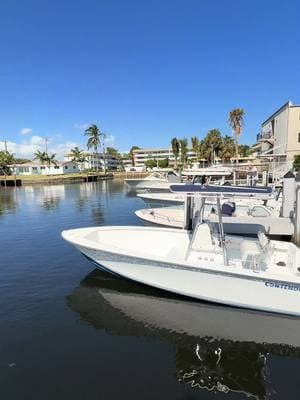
[{"x": 11, "y": 181}]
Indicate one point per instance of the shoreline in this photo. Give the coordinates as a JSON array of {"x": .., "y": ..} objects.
[{"x": 28, "y": 180}]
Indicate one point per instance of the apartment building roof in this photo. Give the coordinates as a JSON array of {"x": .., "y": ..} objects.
[{"x": 285, "y": 105}]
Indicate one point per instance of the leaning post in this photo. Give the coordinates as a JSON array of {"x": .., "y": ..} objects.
[
  {"x": 297, "y": 218},
  {"x": 288, "y": 196},
  {"x": 188, "y": 213}
]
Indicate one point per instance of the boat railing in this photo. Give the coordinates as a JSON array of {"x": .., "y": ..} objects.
[{"x": 156, "y": 215}]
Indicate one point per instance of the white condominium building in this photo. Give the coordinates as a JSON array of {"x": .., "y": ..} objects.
[
  {"x": 96, "y": 161},
  {"x": 157, "y": 154}
]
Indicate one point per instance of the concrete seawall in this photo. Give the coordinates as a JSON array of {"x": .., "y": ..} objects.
[{"x": 11, "y": 181}]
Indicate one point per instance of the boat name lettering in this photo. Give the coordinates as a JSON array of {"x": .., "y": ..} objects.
[{"x": 282, "y": 286}]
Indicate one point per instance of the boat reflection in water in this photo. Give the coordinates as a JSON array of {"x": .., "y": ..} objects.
[{"x": 217, "y": 348}]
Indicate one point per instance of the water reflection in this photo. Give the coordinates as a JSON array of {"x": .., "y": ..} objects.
[
  {"x": 8, "y": 201},
  {"x": 218, "y": 349}
]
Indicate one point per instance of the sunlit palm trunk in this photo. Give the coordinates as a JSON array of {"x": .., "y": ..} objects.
[{"x": 236, "y": 148}]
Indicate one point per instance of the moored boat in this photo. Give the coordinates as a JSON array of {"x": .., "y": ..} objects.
[{"x": 243, "y": 272}]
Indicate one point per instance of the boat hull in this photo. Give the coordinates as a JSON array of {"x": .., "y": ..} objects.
[
  {"x": 144, "y": 184},
  {"x": 231, "y": 225},
  {"x": 235, "y": 290}
]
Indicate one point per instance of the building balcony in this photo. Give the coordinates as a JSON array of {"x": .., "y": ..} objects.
[{"x": 265, "y": 136}]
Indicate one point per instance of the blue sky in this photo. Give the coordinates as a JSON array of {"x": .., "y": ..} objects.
[{"x": 145, "y": 71}]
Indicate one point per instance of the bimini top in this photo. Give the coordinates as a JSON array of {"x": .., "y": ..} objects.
[{"x": 265, "y": 192}]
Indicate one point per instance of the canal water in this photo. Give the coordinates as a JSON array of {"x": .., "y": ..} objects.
[{"x": 69, "y": 331}]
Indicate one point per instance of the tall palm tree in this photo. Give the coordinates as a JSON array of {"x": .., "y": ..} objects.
[
  {"x": 236, "y": 121},
  {"x": 41, "y": 156},
  {"x": 94, "y": 133},
  {"x": 175, "y": 149},
  {"x": 183, "y": 150}
]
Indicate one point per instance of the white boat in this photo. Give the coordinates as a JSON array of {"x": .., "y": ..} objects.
[
  {"x": 158, "y": 180},
  {"x": 172, "y": 199},
  {"x": 214, "y": 175},
  {"x": 162, "y": 199},
  {"x": 240, "y": 215},
  {"x": 244, "y": 272},
  {"x": 245, "y": 220}
]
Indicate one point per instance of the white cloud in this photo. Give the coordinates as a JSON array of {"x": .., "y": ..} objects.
[
  {"x": 25, "y": 131},
  {"x": 27, "y": 148},
  {"x": 37, "y": 141},
  {"x": 63, "y": 148}
]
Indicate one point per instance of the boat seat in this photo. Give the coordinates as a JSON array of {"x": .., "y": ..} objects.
[{"x": 248, "y": 247}]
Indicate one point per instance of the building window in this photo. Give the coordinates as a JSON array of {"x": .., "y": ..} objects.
[
  {"x": 74, "y": 167},
  {"x": 56, "y": 167},
  {"x": 66, "y": 167},
  {"x": 43, "y": 167},
  {"x": 298, "y": 137}
]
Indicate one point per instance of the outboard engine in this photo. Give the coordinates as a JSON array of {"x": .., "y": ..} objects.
[{"x": 228, "y": 208}]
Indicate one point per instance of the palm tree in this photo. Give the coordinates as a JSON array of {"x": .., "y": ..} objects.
[
  {"x": 175, "y": 149},
  {"x": 77, "y": 155},
  {"x": 195, "y": 146},
  {"x": 6, "y": 160},
  {"x": 51, "y": 159},
  {"x": 94, "y": 134},
  {"x": 41, "y": 156},
  {"x": 131, "y": 153},
  {"x": 236, "y": 121},
  {"x": 212, "y": 144},
  {"x": 183, "y": 150},
  {"x": 228, "y": 148}
]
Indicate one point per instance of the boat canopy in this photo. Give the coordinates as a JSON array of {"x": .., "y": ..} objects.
[
  {"x": 265, "y": 193},
  {"x": 208, "y": 171}
]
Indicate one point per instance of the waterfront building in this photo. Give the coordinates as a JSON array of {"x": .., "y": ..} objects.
[
  {"x": 97, "y": 161},
  {"x": 279, "y": 138},
  {"x": 157, "y": 154},
  {"x": 126, "y": 162},
  {"x": 36, "y": 168},
  {"x": 142, "y": 155}
]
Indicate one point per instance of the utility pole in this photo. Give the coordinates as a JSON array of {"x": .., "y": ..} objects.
[{"x": 46, "y": 144}]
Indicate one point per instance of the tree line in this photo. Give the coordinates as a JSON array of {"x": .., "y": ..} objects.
[{"x": 214, "y": 145}]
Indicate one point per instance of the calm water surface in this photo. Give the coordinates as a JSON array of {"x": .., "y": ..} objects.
[{"x": 68, "y": 331}]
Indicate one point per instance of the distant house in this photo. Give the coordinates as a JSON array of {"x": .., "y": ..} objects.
[{"x": 36, "y": 168}]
